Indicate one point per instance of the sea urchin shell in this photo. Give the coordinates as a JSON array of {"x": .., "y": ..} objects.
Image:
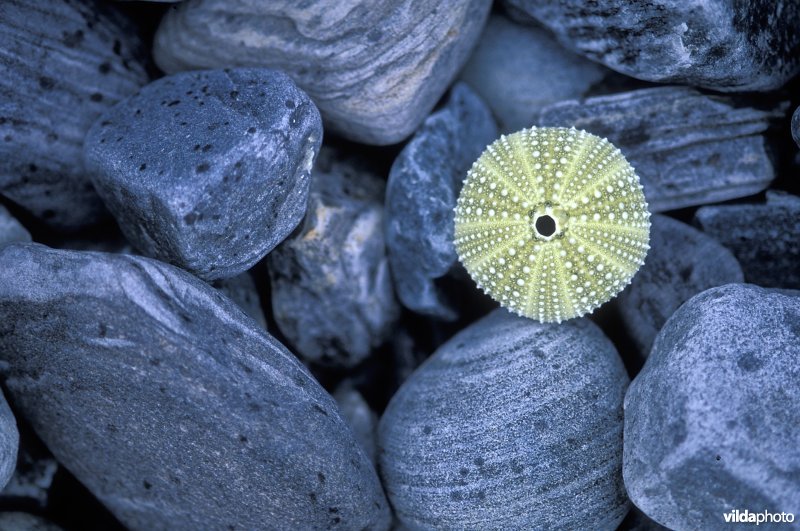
[{"x": 552, "y": 222}]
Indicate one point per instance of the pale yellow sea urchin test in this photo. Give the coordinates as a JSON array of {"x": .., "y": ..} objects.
[{"x": 552, "y": 222}]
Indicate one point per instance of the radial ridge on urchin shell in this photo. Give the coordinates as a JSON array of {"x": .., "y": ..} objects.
[{"x": 552, "y": 222}]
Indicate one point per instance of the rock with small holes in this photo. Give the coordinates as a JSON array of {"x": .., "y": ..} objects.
[
  {"x": 519, "y": 69},
  {"x": 710, "y": 424},
  {"x": 420, "y": 195},
  {"x": 689, "y": 148},
  {"x": 11, "y": 230},
  {"x": 512, "y": 424},
  {"x": 207, "y": 170},
  {"x": 374, "y": 68},
  {"x": 681, "y": 263},
  {"x": 716, "y": 44},
  {"x": 764, "y": 237},
  {"x": 202, "y": 419},
  {"x": 551, "y": 222},
  {"x": 362, "y": 420},
  {"x": 64, "y": 63},
  {"x": 332, "y": 293}
]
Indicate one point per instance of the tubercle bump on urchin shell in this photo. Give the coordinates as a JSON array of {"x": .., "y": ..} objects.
[{"x": 596, "y": 209}]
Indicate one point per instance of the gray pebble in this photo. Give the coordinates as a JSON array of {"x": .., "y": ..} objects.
[
  {"x": 711, "y": 421},
  {"x": 242, "y": 290},
  {"x": 765, "y": 237},
  {"x": 202, "y": 419},
  {"x": 64, "y": 63},
  {"x": 688, "y": 148},
  {"x": 332, "y": 293},
  {"x": 207, "y": 170},
  {"x": 512, "y": 424},
  {"x": 362, "y": 420},
  {"x": 11, "y": 230},
  {"x": 681, "y": 263},
  {"x": 421, "y": 193},
  {"x": 374, "y": 69},
  {"x": 716, "y": 44},
  {"x": 519, "y": 69}
]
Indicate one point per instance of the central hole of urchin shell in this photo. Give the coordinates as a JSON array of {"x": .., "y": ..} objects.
[{"x": 545, "y": 225}]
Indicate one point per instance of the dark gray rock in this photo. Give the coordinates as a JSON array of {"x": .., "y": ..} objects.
[
  {"x": 716, "y": 44},
  {"x": 374, "y": 68},
  {"x": 519, "y": 69},
  {"x": 11, "y": 230},
  {"x": 202, "y": 419},
  {"x": 512, "y": 424},
  {"x": 765, "y": 237},
  {"x": 711, "y": 422},
  {"x": 421, "y": 193},
  {"x": 207, "y": 170},
  {"x": 19, "y": 521},
  {"x": 64, "y": 63},
  {"x": 796, "y": 126},
  {"x": 331, "y": 289},
  {"x": 362, "y": 420},
  {"x": 681, "y": 263},
  {"x": 688, "y": 148},
  {"x": 242, "y": 290},
  {"x": 9, "y": 441}
]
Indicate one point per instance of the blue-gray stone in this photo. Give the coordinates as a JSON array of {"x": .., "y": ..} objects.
[
  {"x": 716, "y": 44},
  {"x": 688, "y": 148},
  {"x": 19, "y": 521},
  {"x": 512, "y": 424},
  {"x": 360, "y": 417},
  {"x": 375, "y": 68},
  {"x": 207, "y": 170},
  {"x": 421, "y": 193},
  {"x": 681, "y": 262},
  {"x": 711, "y": 421},
  {"x": 63, "y": 64},
  {"x": 11, "y": 230},
  {"x": 764, "y": 237},
  {"x": 796, "y": 126},
  {"x": 9, "y": 441},
  {"x": 202, "y": 420},
  {"x": 242, "y": 290},
  {"x": 519, "y": 69},
  {"x": 332, "y": 292}
]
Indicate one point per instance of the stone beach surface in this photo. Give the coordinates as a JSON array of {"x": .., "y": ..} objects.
[{"x": 230, "y": 297}]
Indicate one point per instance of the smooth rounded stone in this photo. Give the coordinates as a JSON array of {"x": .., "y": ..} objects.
[
  {"x": 207, "y": 170},
  {"x": 19, "y": 521},
  {"x": 362, "y": 420},
  {"x": 11, "y": 230},
  {"x": 710, "y": 422},
  {"x": 681, "y": 263},
  {"x": 519, "y": 69},
  {"x": 688, "y": 148},
  {"x": 512, "y": 424},
  {"x": 332, "y": 293},
  {"x": 765, "y": 237},
  {"x": 375, "y": 69},
  {"x": 9, "y": 440},
  {"x": 204, "y": 421},
  {"x": 716, "y": 44},
  {"x": 64, "y": 63},
  {"x": 421, "y": 194},
  {"x": 796, "y": 126},
  {"x": 242, "y": 290}
]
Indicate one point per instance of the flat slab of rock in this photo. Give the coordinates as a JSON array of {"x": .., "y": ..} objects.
[
  {"x": 374, "y": 69},
  {"x": 207, "y": 170},
  {"x": 711, "y": 422},
  {"x": 716, "y": 44},
  {"x": 421, "y": 193},
  {"x": 64, "y": 63},
  {"x": 688, "y": 148},
  {"x": 332, "y": 294},
  {"x": 202, "y": 419},
  {"x": 681, "y": 262},
  {"x": 519, "y": 69},
  {"x": 512, "y": 424},
  {"x": 765, "y": 237}
]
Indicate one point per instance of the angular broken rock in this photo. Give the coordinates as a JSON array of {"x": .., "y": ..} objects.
[
  {"x": 687, "y": 147},
  {"x": 374, "y": 69},
  {"x": 202, "y": 419}
]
